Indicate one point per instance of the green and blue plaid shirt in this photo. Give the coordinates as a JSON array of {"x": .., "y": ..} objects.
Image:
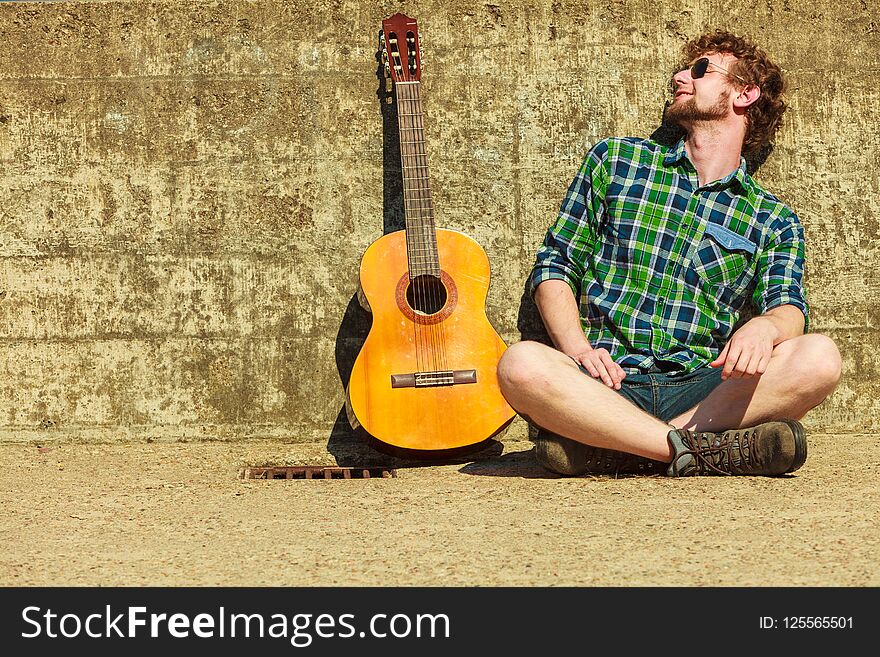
[{"x": 662, "y": 267}]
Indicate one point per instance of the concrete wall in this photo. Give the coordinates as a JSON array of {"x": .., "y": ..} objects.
[{"x": 187, "y": 188}]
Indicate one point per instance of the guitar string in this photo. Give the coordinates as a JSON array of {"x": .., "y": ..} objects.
[
  {"x": 421, "y": 339},
  {"x": 424, "y": 283},
  {"x": 414, "y": 218},
  {"x": 441, "y": 292},
  {"x": 439, "y": 287},
  {"x": 406, "y": 144},
  {"x": 433, "y": 295}
]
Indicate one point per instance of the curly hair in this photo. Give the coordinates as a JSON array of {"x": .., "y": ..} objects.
[{"x": 764, "y": 116}]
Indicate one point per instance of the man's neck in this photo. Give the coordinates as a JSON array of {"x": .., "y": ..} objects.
[{"x": 714, "y": 150}]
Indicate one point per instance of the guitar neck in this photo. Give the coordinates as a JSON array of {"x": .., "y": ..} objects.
[{"x": 421, "y": 235}]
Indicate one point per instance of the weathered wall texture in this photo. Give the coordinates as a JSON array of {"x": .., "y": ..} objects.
[{"x": 187, "y": 188}]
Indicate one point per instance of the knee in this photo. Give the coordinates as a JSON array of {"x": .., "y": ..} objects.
[
  {"x": 520, "y": 365},
  {"x": 818, "y": 362}
]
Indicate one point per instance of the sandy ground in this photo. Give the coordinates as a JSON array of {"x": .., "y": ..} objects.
[{"x": 179, "y": 514}]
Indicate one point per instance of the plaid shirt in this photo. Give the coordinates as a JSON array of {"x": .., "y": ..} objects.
[{"x": 661, "y": 266}]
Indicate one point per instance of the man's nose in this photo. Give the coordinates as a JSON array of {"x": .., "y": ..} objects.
[{"x": 682, "y": 77}]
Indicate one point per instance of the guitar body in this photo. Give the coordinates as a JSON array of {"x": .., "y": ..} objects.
[{"x": 447, "y": 333}]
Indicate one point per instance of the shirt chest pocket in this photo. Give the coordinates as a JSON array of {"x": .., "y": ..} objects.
[{"x": 722, "y": 256}]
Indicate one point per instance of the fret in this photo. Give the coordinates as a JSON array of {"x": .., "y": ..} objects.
[{"x": 421, "y": 236}]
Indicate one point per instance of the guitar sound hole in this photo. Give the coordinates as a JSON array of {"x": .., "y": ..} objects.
[{"x": 426, "y": 294}]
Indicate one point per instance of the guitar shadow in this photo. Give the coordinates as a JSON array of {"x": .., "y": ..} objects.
[
  {"x": 351, "y": 447},
  {"x": 346, "y": 444}
]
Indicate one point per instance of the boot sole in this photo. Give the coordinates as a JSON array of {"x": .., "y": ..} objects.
[{"x": 800, "y": 444}]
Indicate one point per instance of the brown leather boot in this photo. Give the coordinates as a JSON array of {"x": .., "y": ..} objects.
[
  {"x": 769, "y": 449},
  {"x": 571, "y": 458}
]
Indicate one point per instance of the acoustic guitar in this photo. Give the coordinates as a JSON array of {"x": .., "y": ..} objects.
[{"x": 424, "y": 382}]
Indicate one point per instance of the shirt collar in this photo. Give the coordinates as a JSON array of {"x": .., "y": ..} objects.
[
  {"x": 674, "y": 155},
  {"x": 678, "y": 153}
]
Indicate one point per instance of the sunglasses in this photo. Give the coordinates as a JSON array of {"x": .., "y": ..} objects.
[{"x": 701, "y": 66}]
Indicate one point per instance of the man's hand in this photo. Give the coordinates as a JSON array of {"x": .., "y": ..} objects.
[
  {"x": 748, "y": 351},
  {"x": 559, "y": 311},
  {"x": 600, "y": 366}
]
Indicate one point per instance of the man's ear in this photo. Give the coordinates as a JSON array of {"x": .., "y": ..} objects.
[{"x": 747, "y": 97}]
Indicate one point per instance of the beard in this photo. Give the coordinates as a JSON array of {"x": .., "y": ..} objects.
[{"x": 688, "y": 112}]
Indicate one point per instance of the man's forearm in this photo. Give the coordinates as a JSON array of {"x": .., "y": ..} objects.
[
  {"x": 559, "y": 310},
  {"x": 788, "y": 321}
]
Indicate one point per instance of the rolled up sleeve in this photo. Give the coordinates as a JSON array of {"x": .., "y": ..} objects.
[
  {"x": 572, "y": 238},
  {"x": 780, "y": 269}
]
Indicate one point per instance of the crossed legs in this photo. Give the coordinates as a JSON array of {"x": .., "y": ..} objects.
[{"x": 547, "y": 387}]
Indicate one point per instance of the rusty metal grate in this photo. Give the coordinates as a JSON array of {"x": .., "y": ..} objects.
[{"x": 317, "y": 472}]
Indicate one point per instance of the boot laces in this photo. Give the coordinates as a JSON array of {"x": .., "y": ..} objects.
[{"x": 720, "y": 453}]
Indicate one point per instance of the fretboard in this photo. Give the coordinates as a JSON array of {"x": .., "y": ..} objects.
[{"x": 421, "y": 236}]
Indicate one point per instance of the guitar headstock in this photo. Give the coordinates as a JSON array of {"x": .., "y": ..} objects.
[{"x": 400, "y": 48}]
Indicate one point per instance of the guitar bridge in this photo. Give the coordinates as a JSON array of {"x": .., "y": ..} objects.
[{"x": 433, "y": 379}]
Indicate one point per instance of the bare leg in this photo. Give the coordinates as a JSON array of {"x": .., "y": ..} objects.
[
  {"x": 802, "y": 372},
  {"x": 546, "y": 386}
]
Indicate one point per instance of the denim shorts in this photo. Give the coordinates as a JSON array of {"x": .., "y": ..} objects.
[{"x": 665, "y": 395}]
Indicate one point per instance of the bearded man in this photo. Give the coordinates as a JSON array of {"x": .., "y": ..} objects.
[{"x": 642, "y": 278}]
